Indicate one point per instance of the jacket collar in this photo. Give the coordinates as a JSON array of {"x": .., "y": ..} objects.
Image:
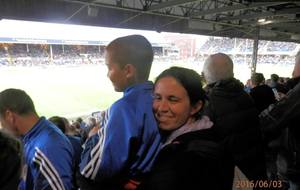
[
  {"x": 35, "y": 129},
  {"x": 148, "y": 85},
  {"x": 203, "y": 123}
]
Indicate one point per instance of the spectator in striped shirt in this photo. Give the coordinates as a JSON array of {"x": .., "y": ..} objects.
[{"x": 48, "y": 154}]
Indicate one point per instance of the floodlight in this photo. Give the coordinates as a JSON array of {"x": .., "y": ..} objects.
[{"x": 261, "y": 20}]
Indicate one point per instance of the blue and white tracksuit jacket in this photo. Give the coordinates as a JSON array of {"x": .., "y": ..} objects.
[
  {"x": 48, "y": 158},
  {"x": 128, "y": 138}
]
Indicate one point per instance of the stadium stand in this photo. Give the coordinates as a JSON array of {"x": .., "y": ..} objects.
[
  {"x": 65, "y": 54},
  {"x": 241, "y": 50}
]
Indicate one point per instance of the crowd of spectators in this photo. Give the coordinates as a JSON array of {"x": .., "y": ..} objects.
[
  {"x": 218, "y": 45},
  {"x": 244, "y": 46},
  {"x": 281, "y": 46},
  {"x": 239, "y": 49},
  {"x": 170, "y": 134},
  {"x": 40, "y": 54},
  {"x": 247, "y": 59}
]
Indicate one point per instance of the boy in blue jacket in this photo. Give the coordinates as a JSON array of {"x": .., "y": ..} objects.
[{"x": 126, "y": 144}]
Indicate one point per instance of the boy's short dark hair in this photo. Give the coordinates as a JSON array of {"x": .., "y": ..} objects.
[
  {"x": 17, "y": 101},
  {"x": 135, "y": 50}
]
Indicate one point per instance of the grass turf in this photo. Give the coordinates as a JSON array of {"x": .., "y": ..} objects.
[{"x": 72, "y": 91}]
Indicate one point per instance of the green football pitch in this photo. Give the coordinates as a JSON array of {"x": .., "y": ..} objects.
[
  {"x": 73, "y": 91},
  {"x": 68, "y": 91}
]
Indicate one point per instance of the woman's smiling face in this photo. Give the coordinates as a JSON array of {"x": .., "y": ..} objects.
[{"x": 171, "y": 105}]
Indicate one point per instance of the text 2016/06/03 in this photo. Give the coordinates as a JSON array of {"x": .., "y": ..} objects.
[{"x": 258, "y": 184}]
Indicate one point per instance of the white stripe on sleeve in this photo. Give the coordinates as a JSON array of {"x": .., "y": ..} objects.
[
  {"x": 91, "y": 169},
  {"x": 48, "y": 170}
]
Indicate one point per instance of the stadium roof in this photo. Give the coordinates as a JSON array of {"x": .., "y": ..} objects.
[
  {"x": 16, "y": 31},
  {"x": 276, "y": 19}
]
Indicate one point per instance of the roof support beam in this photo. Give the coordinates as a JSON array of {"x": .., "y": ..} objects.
[
  {"x": 82, "y": 7},
  {"x": 169, "y": 4},
  {"x": 235, "y": 8},
  {"x": 262, "y": 15}
]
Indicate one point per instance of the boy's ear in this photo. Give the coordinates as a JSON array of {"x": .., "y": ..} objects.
[{"x": 130, "y": 70}]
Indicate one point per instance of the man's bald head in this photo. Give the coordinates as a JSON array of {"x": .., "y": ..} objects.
[
  {"x": 296, "y": 71},
  {"x": 218, "y": 67}
]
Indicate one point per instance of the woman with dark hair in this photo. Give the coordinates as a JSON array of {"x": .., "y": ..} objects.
[{"x": 190, "y": 157}]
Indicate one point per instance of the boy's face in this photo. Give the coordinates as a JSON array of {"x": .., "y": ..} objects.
[{"x": 116, "y": 74}]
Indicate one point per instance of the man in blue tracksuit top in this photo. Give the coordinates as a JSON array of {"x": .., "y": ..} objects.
[
  {"x": 48, "y": 154},
  {"x": 117, "y": 154}
]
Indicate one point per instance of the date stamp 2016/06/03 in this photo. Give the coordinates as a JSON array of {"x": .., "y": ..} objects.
[{"x": 263, "y": 184}]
